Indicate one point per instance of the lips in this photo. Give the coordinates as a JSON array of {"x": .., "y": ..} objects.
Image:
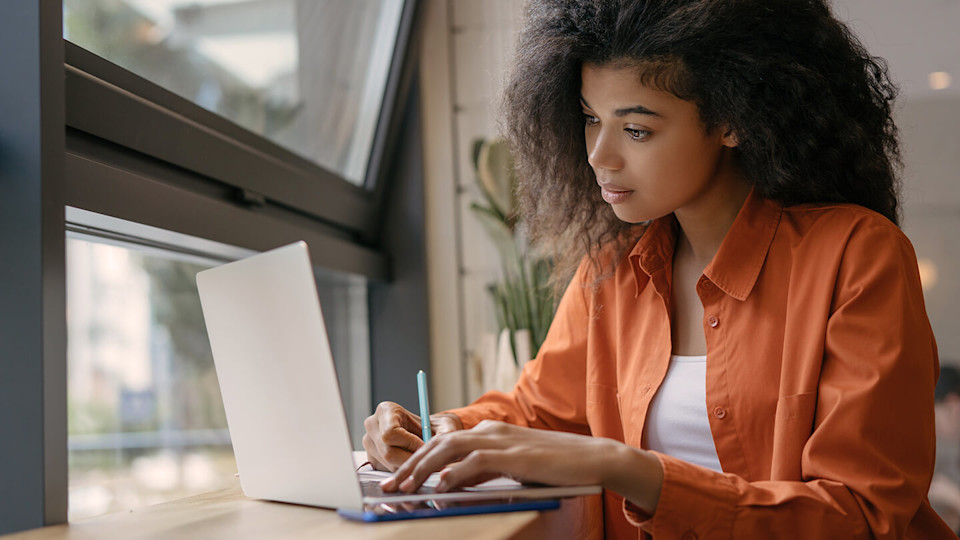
[{"x": 614, "y": 194}]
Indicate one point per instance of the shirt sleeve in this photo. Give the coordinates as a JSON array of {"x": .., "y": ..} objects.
[
  {"x": 867, "y": 465},
  {"x": 551, "y": 390}
]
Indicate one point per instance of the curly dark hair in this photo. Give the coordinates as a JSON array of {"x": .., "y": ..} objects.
[{"x": 810, "y": 107}]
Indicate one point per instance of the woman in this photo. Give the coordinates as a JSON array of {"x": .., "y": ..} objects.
[{"x": 743, "y": 351}]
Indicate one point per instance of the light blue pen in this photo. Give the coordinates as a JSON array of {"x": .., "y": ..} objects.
[{"x": 424, "y": 405}]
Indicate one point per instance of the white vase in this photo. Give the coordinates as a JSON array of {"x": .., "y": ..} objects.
[
  {"x": 507, "y": 369},
  {"x": 493, "y": 366},
  {"x": 524, "y": 344},
  {"x": 487, "y": 353}
]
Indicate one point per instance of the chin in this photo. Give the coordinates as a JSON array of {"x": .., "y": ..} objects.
[{"x": 633, "y": 215}]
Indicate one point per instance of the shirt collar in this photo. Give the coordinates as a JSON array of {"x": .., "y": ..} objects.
[
  {"x": 735, "y": 267},
  {"x": 654, "y": 250}
]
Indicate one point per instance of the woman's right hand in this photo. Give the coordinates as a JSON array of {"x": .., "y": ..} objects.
[{"x": 393, "y": 434}]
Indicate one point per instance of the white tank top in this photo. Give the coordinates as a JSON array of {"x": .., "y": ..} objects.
[{"x": 677, "y": 422}]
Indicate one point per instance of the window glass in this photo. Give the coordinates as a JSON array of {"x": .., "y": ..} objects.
[
  {"x": 145, "y": 417},
  {"x": 308, "y": 75}
]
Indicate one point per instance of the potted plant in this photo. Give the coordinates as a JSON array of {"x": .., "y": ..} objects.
[{"x": 523, "y": 298}]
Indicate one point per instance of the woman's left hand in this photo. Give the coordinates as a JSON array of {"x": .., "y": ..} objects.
[{"x": 494, "y": 449}]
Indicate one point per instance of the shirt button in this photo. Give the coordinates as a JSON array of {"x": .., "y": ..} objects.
[
  {"x": 720, "y": 412},
  {"x": 713, "y": 321},
  {"x": 689, "y": 535}
]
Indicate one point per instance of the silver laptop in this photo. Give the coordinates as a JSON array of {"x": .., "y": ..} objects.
[{"x": 280, "y": 391}]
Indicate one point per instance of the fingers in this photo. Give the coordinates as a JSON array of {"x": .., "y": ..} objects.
[
  {"x": 477, "y": 468},
  {"x": 372, "y": 453},
  {"x": 393, "y": 434},
  {"x": 445, "y": 423},
  {"x": 387, "y": 459},
  {"x": 493, "y": 449},
  {"x": 441, "y": 451},
  {"x": 396, "y": 442},
  {"x": 373, "y": 444},
  {"x": 403, "y": 472},
  {"x": 395, "y": 424},
  {"x": 388, "y": 440},
  {"x": 438, "y": 453}
]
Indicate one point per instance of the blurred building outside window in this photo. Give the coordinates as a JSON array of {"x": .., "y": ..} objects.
[
  {"x": 145, "y": 417},
  {"x": 309, "y": 75},
  {"x": 145, "y": 420}
]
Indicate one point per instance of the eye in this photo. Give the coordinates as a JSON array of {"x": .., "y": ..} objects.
[
  {"x": 589, "y": 119},
  {"x": 637, "y": 134}
]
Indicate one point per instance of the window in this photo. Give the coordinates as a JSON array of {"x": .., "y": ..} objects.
[
  {"x": 156, "y": 179},
  {"x": 309, "y": 75},
  {"x": 145, "y": 418}
]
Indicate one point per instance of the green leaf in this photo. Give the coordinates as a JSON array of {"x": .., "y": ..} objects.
[
  {"x": 523, "y": 298},
  {"x": 475, "y": 153},
  {"x": 495, "y": 175}
]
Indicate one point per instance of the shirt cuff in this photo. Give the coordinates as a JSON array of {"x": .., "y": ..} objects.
[{"x": 695, "y": 502}]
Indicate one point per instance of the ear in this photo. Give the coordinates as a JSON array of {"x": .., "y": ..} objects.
[{"x": 729, "y": 138}]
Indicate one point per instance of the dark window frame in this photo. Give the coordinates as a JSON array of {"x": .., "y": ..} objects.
[
  {"x": 33, "y": 378},
  {"x": 120, "y": 108}
]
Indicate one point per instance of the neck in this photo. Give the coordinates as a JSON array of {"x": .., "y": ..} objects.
[{"x": 702, "y": 229}]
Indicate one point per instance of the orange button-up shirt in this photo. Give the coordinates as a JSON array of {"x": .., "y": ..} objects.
[{"x": 821, "y": 365}]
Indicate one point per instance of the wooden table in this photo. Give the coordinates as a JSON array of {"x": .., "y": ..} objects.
[{"x": 230, "y": 514}]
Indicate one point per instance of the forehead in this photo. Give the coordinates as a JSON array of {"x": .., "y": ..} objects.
[{"x": 613, "y": 86}]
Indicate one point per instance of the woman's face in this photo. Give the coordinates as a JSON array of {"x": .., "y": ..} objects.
[{"x": 648, "y": 148}]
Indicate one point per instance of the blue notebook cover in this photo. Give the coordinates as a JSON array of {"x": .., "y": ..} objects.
[{"x": 431, "y": 509}]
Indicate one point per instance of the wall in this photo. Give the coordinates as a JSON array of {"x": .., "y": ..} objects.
[
  {"x": 931, "y": 217},
  {"x": 466, "y": 52}
]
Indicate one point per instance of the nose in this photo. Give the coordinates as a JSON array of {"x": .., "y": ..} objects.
[{"x": 602, "y": 152}]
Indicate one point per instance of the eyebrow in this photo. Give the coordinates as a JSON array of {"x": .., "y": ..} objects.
[{"x": 636, "y": 109}]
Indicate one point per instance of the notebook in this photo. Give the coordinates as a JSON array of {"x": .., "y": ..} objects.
[{"x": 282, "y": 400}]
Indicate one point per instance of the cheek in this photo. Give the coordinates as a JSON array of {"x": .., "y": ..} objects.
[
  {"x": 688, "y": 160},
  {"x": 659, "y": 170}
]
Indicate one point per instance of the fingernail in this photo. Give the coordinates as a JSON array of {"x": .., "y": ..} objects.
[
  {"x": 387, "y": 483},
  {"x": 406, "y": 484},
  {"x": 441, "y": 487}
]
